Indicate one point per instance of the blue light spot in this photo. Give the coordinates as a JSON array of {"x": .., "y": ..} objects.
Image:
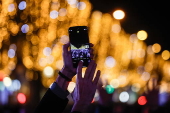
[
  {"x": 11, "y": 53},
  {"x": 163, "y": 98},
  {"x": 25, "y": 28},
  {"x": 22, "y": 5}
]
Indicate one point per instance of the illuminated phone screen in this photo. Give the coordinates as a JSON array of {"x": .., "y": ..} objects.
[
  {"x": 79, "y": 42},
  {"x": 81, "y": 53}
]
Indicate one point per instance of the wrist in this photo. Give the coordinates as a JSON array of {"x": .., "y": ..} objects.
[
  {"x": 62, "y": 83},
  {"x": 67, "y": 72},
  {"x": 80, "y": 107}
]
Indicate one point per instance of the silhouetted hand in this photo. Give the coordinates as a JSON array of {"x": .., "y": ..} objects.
[
  {"x": 104, "y": 97},
  {"x": 85, "y": 89},
  {"x": 68, "y": 68},
  {"x": 152, "y": 94}
]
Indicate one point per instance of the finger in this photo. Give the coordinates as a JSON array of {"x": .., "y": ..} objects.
[
  {"x": 154, "y": 83},
  {"x": 91, "y": 53},
  {"x": 79, "y": 70},
  {"x": 91, "y": 45},
  {"x": 90, "y": 50},
  {"x": 91, "y": 75},
  {"x": 89, "y": 68},
  {"x": 65, "y": 47},
  {"x": 96, "y": 79},
  {"x": 147, "y": 85},
  {"x": 91, "y": 56},
  {"x": 99, "y": 84}
]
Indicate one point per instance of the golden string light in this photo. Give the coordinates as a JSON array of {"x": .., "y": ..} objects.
[{"x": 34, "y": 31}]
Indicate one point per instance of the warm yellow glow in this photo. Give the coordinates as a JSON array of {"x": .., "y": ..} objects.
[
  {"x": 149, "y": 49},
  {"x": 115, "y": 83},
  {"x": 7, "y": 81},
  {"x": 133, "y": 38},
  {"x": 136, "y": 87},
  {"x": 156, "y": 48},
  {"x": 81, "y": 5},
  {"x": 148, "y": 66},
  {"x": 142, "y": 35},
  {"x": 165, "y": 54},
  {"x": 118, "y": 14},
  {"x": 71, "y": 86},
  {"x": 35, "y": 38},
  {"x": 28, "y": 62},
  {"x": 116, "y": 28},
  {"x": 145, "y": 76},
  {"x": 59, "y": 64},
  {"x": 141, "y": 53},
  {"x": 48, "y": 71}
]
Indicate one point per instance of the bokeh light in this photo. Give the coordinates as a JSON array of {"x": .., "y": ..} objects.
[
  {"x": 115, "y": 83},
  {"x": 11, "y": 53},
  {"x": 135, "y": 87},
  {"x": 62, "y": 12},
  {"x": 142, "y": 100},
  {"x": 132, "y": 98},
  {"x": 7, "y": 81},
  {"x": 118, "y": 14},
  {"x": 156, "y": 48},
  {"x": 54, "y": 14},
  {"x": 22, "y": 5},
  {"x": 72, "y": 2},
  {"x": 2, "y": 87},
  {"x": 133, "y": 38},
  {"x": 109, "y": 89},
  {"x": 11, "y": 7},
  {"x": 165, "y": 54},
  {"x": 71, "y": 86},
  {"x": 25, "y": 28},
  {"x": 122, "y": 79},
  {"x": 21, "y": 98},
  {"x": 116, "y": 28},
  {"x": 142, "y": 35},
  {"x": 47, "y": 51},
  {"x": 64, "y": 39},
  {"x": 110, "y": 62},
  {"x": 81, "y": 5},
  {"x": 48, "y": 71},
  {"x": 145, "y": 76},
  {"x": 124, "y": 96}
]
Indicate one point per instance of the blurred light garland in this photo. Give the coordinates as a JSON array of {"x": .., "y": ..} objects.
[{"x": 34, "y": 31}]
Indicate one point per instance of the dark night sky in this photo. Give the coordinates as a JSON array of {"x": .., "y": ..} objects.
[{"x": 149, "y": 15}]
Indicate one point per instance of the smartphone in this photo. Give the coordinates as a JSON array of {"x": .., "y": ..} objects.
[{"x": 79, "y": 45}]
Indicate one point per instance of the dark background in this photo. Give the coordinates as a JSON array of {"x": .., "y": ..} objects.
[{"x": 149, "y": 15}]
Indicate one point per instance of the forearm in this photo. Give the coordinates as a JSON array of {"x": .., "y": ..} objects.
[{"x": 59, "y": 87}]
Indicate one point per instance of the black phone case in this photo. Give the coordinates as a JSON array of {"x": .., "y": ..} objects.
[{"x": 79, "y": 42}]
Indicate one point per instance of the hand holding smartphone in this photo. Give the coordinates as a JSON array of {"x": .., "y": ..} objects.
[{"x": 79, "y": 45}]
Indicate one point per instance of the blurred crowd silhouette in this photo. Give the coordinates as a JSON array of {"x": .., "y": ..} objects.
[{"x": 155, "y": 102}]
